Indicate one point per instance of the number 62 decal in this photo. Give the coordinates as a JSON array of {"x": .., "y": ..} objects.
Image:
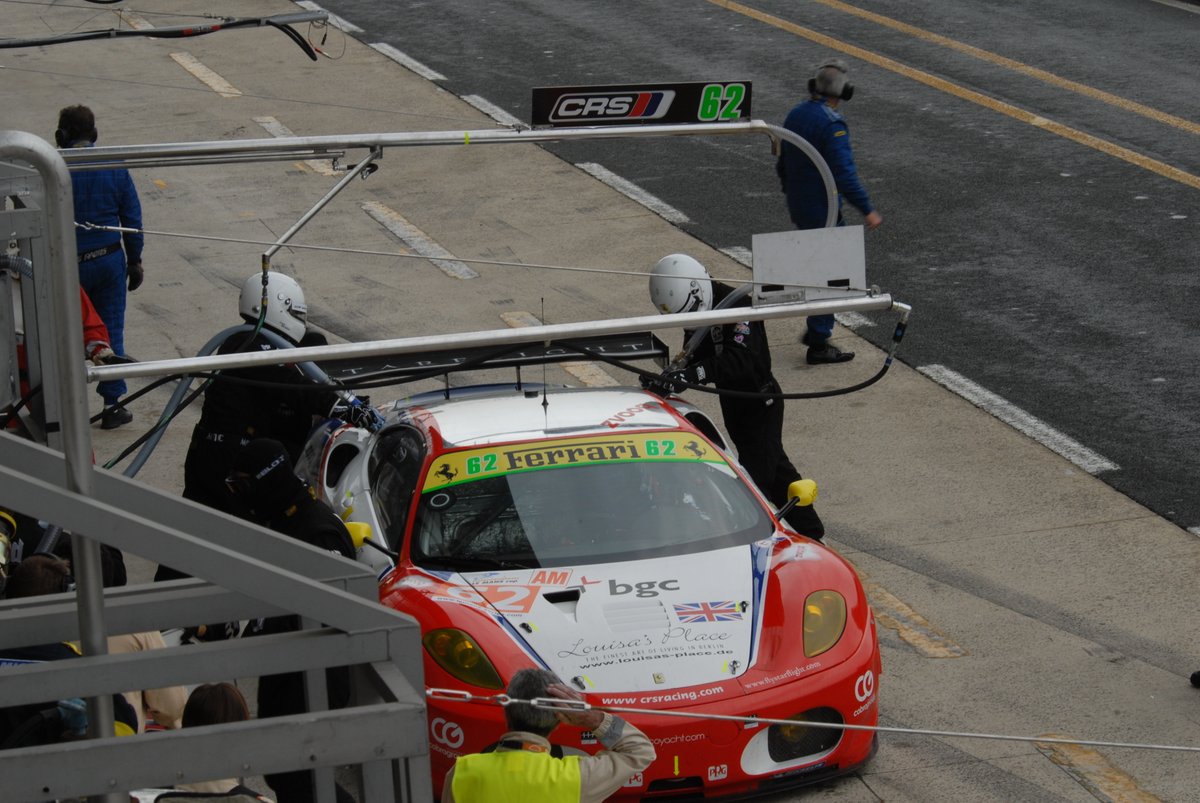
[{"x": 721, "y": 102}]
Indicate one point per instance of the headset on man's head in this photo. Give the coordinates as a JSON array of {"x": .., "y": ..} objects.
[{"x": 835, "y": 84}]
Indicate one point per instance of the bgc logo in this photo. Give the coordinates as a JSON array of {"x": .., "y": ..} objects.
[
  {"x": 591, "y": 106},
  {"x": 647, "y": 588}
]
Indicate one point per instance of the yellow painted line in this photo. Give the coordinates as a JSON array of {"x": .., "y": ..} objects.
[
  {"x": 589, "y": 373},
  {"x": 913, "y": 628},
  {"x": 206, "y": 76},
  {"x": 1094, "y": 772},
  {"x": 1075, "y": 135},
  {"x": 1016, "y": 66}
]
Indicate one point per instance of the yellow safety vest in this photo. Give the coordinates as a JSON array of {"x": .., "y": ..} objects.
[{"x": 516, "y": 776}]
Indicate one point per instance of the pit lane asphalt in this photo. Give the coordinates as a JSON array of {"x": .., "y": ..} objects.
[
  {"x": 1069, "y": 602},
  {"x": 1053, "y": 274}
]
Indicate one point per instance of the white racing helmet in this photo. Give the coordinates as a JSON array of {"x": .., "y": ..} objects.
[
  {"x": 678, "y": 283},
  {"x": 286, "y": 310}
]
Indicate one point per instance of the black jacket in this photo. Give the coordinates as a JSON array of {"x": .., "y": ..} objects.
[
  {"x": 736, "y": 355},
  {"x": 236, "y": 410}
]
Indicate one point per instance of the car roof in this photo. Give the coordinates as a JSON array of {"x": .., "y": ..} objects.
[{"x": 499, "y": 415}]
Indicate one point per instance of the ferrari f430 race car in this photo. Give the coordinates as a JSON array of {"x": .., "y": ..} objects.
[{"x": 609, "y": 536}]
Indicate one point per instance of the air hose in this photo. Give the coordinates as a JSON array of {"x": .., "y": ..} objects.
[{"x": 897, "y": 336}]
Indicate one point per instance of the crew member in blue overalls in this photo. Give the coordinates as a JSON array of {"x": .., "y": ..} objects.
[
  {"x": 819, "y": 122},
  {"x": 104, "y": 198}
]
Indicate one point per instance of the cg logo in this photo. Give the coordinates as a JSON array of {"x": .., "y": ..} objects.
[
  {"x": 447, "y": 733},
  {"x": 864, "y": 687}
]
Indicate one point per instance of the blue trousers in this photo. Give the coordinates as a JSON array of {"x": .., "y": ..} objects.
[
  {"x": 103, "y": 279},
  {"x": 820, "y": 327}
]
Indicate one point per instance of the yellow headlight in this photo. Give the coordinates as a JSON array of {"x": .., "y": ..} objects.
[
  {"x": 458, "y": 654},
  {"x": 824, "y": 621}
]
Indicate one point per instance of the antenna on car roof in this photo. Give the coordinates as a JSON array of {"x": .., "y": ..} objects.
[{"x": 545, "y": 399}]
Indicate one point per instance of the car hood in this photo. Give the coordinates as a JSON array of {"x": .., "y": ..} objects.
[{"x": 643, "y": 625}]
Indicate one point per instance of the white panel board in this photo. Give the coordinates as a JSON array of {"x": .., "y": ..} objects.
[{"x": 809, "y": 265}]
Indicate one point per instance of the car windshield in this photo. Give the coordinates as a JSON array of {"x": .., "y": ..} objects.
[{"x": 582, "y": 501}]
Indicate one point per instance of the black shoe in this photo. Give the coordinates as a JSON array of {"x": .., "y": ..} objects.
[
  {"x": 115, "y": 416},
  {"x": 1196, "y": 679},
  {"x": 827, "y": 353}
]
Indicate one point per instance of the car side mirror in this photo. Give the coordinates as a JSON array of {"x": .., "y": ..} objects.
[{"x": 801, "y": 493}]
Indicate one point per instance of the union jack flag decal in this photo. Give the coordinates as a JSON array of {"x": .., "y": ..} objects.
[{"x": 691, "y": 613}]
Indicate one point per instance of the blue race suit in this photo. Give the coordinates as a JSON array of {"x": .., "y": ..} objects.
[
  {"x": 107, "y": 198},
  {"x": 825, "y": 129}
]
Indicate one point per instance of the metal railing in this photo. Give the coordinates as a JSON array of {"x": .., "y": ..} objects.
[{"x": 243, "y": 572}]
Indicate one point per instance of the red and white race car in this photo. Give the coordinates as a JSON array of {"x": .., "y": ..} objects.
[{"x": 609, "y": 536}]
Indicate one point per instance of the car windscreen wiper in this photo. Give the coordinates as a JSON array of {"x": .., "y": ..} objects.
[{"x": 459, "y": 564}]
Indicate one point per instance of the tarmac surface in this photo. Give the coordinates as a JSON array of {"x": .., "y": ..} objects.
[
  {"x": 1017, "y": 594},
  {"x": 1038, "y": 198}
]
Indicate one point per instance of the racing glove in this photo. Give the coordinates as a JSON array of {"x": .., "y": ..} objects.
[
  {"x": 357, "y": 412},
  {"x": 106, "y": 356},
  {"x": 135, "y": 274},
  {"x": 676, "y": 380}
]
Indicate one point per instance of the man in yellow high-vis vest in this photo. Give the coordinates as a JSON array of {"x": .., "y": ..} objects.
[{"x": 522, "y": 767}]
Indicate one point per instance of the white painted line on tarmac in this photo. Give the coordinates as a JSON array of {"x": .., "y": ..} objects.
[
  {"x": 633, "y": 191},
  {"x": 334, "y": 19},
  {"x": 853, "y": 320},
  {"x": 1183, "y": 5},
  {"x": 206, "y": 76},
  {"x": 135, "y": 21},
  {"x": 589, "y": 373},
  {"x": 408, "y": 62},
  {"x": 495, "y": 112},
  {"x": 740, "y": 253},
  {"x": 417, "y": 240},
  {"x": 1052, "y": 439},
  {"x": 278, "y": 129}
]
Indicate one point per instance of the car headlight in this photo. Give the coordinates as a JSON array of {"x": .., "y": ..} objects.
[
  {"x": 824, "y": 621},
  {"x": 459, "y": 655}
]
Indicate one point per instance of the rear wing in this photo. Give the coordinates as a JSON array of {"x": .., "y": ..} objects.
[{"x": 624, "y": 347}]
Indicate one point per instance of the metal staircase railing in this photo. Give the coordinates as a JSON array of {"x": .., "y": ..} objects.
[{"x": 243, "y": 571}]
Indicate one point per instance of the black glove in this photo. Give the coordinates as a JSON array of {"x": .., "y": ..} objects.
[
  {"x": 357, "y": 412},
  {"x": 676, "y": 380},
  {"x": 658, "y": 385},
  {"x": 108, "y": 357},
  {"x": 136, "y": 275}
]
